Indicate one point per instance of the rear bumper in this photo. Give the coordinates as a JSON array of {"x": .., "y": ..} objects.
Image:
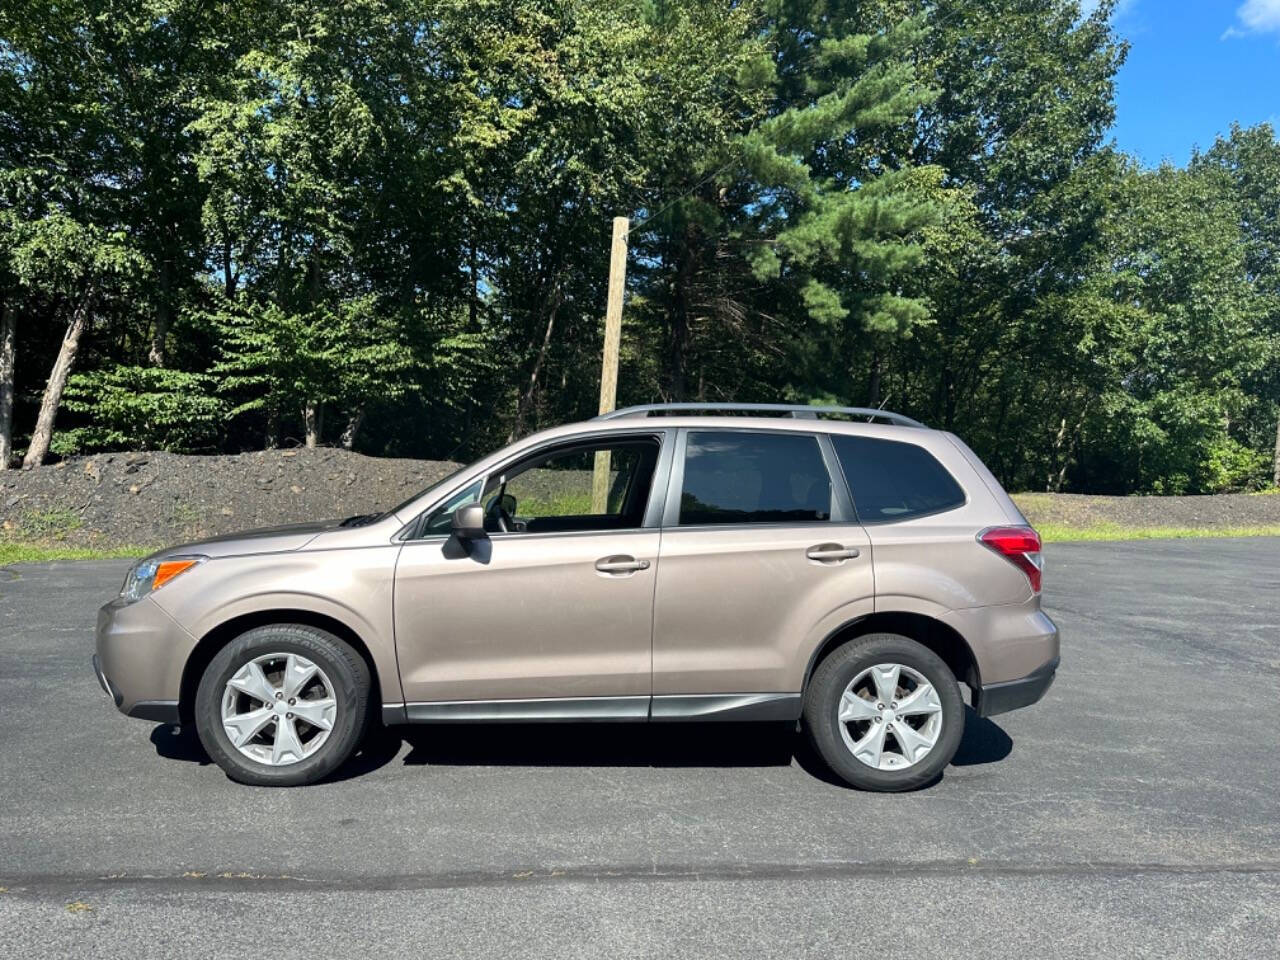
[{"x": 997, "y": 698}]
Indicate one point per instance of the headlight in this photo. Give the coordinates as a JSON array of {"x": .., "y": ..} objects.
[{"x": 149, "y": 575}]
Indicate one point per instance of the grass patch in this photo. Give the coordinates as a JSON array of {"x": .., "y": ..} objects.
[
  {"x": 50, "y": 524},
  {"x": 45, "y": 552},
  {"x": 1062, "y": 533}
]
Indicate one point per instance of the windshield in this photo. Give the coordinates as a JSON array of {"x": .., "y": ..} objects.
[{"x": 401, "y": 507}]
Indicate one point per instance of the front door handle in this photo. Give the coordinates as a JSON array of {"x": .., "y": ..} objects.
[
  {"x": 621, "y": 563},
  {"x": 831, "y": 552}
]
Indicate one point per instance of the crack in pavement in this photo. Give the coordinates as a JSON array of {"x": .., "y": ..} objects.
[{"x": 243, "y": 881}]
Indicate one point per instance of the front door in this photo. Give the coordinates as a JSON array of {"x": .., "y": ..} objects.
[{"x": 552, "y": 615}]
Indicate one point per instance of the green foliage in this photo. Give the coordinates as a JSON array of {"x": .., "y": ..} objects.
[{"x": 142, "y": 408}]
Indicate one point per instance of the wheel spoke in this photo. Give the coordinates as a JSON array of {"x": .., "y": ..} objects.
[
  {"x": 297, "y": 674},
  {"x": 242, "y": 727},
  {"x": 853, "y": 707},
  {"x": 869, "y": 748},
  {"x": 250, "y": 680},
  {"x": 922, "y": 700},
  {"x": 287, "y": 746},
  {"x": 318, "y": 713},
  {"x": 885, "y": 676},
  {"x": 913, "y": 745}
]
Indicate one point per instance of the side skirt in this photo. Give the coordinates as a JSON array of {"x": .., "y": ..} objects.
[{"x": 781, "y": 707}]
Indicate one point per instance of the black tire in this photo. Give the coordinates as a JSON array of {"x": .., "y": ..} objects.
[
  {"x": 822, "y": 704},
  {"x": 349, "y": 677}
]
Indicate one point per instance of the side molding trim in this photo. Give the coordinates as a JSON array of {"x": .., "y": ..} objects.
[
  {"x": 549, "y": 710},
  {"x": 728, "y": 706},
  {"x": 776, "y": 707}
]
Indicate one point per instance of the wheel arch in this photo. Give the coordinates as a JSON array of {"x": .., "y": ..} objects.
[
  {"x": 218, "y": 637},
  {"x": 937, "y": 636}
]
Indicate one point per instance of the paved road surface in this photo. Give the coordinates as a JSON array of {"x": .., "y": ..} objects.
[{"x": 1135, "y": 812}]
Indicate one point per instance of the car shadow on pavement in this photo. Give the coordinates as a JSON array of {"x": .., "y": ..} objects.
[
  {"x": 983, "y": 742},
  {"x": 179, "y": 743},
  {"x": 657, "y": 745},
  {"x": 601, "y": 744}
]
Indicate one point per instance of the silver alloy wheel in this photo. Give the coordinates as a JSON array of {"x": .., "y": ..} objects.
[
  {"x": 278, "y": 709},
  {"x": 890, "y": 716}
]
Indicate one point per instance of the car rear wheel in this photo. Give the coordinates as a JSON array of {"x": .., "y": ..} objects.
[
  {"x": 283, "y": 705},
  {"x": 884, "y": 712}
]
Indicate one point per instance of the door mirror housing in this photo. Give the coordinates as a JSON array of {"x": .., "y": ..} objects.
[{"x": 468, "y": 522}]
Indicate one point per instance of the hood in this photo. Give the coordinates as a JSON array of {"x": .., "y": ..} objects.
[{"x": 291, "y": 536}]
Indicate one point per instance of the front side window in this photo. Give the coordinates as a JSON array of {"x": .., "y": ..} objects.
[
  {"x": 892, "y": 481},
  {"x": 599, "y": 486},
  {"x": 741, "y": 477},
  {"x": 440, "y": 519}
]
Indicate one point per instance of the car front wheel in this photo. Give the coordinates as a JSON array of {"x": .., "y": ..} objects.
[
  {"x": 884, "y": 712},
  {"x": 283, "y": 705}
]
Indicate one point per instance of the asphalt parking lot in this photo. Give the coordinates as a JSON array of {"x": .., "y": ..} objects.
[{"x": 1134, "y": 812}]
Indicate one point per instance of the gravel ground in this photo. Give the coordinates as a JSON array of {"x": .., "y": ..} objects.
[{"x": 152, "y": 499}]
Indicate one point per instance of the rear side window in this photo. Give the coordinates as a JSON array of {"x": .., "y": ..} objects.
[
  {"x": 894, "y": 481},
  {"x": 736, "y": 477}
]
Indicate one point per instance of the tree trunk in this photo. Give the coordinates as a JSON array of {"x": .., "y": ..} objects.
[
  {"x": 313, "y": 421},
  {"x": 8, "y": 335},
  {"x": 473, "y": 306},
  {"x": 52, "y": 398},
  {"x": 873, "y": 388},
  {"x": 680, "y": 316},
  {"x": 272, "y": 438},
  {"x": 1275, "y": 478},
  {"x": 159, "y": 354},
  {"x": 526, "y": 399},
  {"x": 352, "y": 428}
]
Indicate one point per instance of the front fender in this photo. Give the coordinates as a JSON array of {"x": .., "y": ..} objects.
[{"x": 353, "y": 587}]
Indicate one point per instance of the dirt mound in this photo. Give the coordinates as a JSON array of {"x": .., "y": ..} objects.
[
  {"x": 1082, "y": 511},
  {"x": 153, "y": 499}
]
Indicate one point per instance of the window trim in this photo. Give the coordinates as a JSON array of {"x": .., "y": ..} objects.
[
  {"x": 915, "y": 516},
  {"x": 841, "y": 503},
  {"x": 653, "y": 509}
]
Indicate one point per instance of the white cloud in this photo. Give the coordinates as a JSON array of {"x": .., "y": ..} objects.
[{"x": 1255, "y": 16}]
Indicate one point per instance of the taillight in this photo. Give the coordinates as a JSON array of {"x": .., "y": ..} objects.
[{"x": 1020, "y": 546}]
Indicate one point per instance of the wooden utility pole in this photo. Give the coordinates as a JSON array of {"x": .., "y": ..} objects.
[{"x": 609, "y": 365}]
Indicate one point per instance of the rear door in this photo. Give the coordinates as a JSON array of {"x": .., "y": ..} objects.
[{"x": 760, "y": 550}]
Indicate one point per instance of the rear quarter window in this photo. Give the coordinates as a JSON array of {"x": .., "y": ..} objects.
[{"x": 892, "y": 481}]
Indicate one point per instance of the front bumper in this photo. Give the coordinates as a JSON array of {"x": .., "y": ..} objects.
[
  {"x": 139, "y": 659},
  {"x": 997, "y": 698}
]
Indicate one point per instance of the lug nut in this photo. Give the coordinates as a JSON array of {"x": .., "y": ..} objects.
[
  {"x": 292, "y": 701},
  {"x": 892, "y": 706},
  {"x": 288, "y": 716},
  {"x": 879, "y": 706},
  {"x": 279, "y": 696},
  {"x": 878, "y": 719}
]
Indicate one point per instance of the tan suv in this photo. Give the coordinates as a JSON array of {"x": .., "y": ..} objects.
[{"x": 756, "y": 562}]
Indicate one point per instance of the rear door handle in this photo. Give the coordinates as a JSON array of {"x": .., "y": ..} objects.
[
  {"x": 621, "y": 564},
  {"x": 831, "y": 552}
]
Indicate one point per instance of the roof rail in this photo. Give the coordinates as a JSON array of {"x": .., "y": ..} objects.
[{"x": 796, "y": 410}]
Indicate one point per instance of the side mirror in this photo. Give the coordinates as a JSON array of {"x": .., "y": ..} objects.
[{"x": 468, "y": 522}]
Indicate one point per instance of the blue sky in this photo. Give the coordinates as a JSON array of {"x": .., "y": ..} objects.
[{"x": 1194, "y": 66}]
